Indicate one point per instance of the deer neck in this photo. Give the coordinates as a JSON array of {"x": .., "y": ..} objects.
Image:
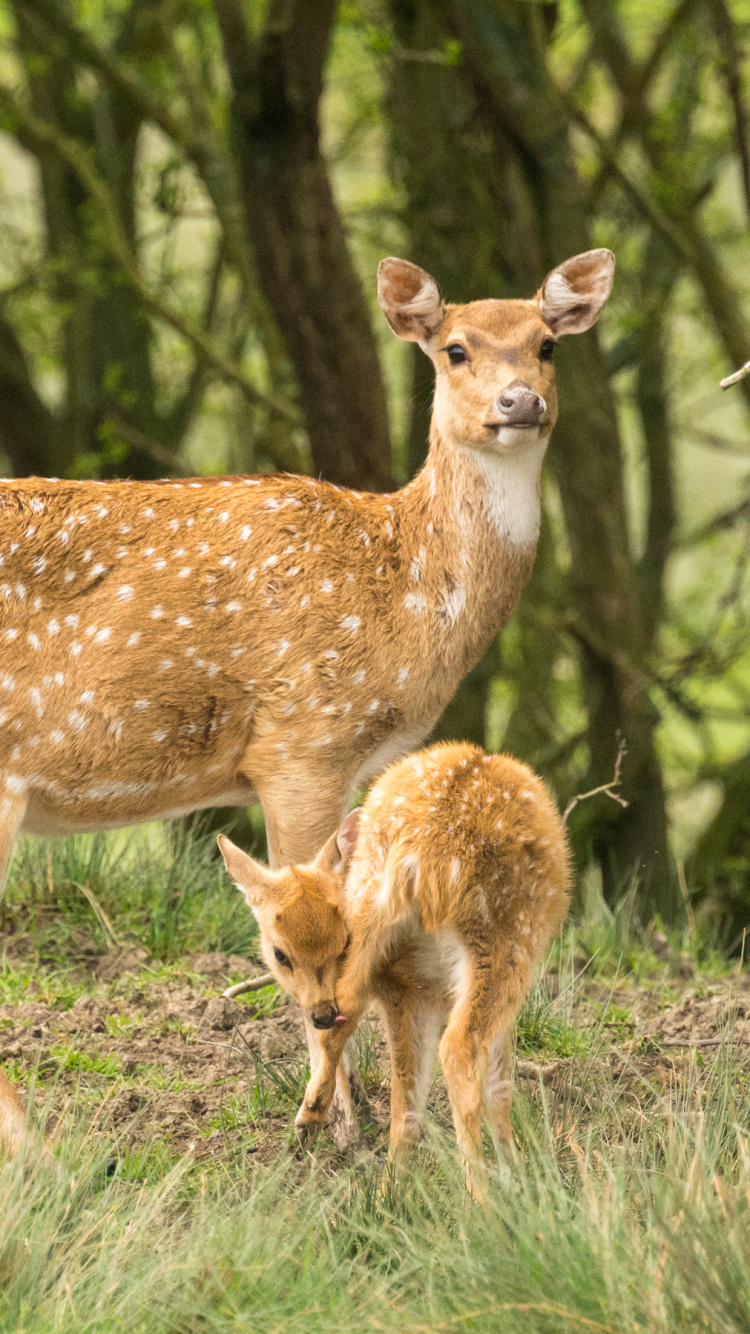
[{"x": 470, "y": 521}]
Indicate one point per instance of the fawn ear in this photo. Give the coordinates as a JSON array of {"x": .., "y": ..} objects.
[
  {"x": 336, "y": 854},
  {"x": 410, "y": 300},
  {"x": 254, "y": 880},
  {"x": 573, "y": 295}
]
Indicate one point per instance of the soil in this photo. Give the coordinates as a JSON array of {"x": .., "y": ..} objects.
[{"x": 160, "y": 1053}]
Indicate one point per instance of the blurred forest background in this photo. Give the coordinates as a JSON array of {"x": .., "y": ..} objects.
[{"x": 194, "y": 196}]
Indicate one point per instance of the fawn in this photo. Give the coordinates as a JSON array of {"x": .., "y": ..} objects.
[
  {"x": 170, "y": 646},
  {"x": 437, "y": 899}
]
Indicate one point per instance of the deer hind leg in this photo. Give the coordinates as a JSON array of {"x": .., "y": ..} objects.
[
  {"x": 470, "y": 1055},
  {"x": 498, "y": 1086},
  {"x": 301, "y": 813},
  {"x": 413, "y": 1022},
  {"x": 12, "y": 811}
]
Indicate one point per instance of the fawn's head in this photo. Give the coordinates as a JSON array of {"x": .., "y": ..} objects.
[
  {"x": 303, "y": 935},
  {"x": 494, "y": 369}
]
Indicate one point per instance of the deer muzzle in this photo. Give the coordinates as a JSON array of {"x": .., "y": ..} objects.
[
  {"x": 519, "y": 405},
  {"x": 324, "y": 1016}
]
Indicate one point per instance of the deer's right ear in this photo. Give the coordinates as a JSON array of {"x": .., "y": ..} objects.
[
  {"x": 253, "y": 879},
  {"x": 410, "y": 300}
]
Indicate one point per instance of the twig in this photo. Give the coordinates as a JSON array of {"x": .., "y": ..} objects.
[
  {"x": 607, "y": 789},
  {"x": 738, "y": 375},
  {"x": 250, "y": 984},
  {"x": 107, "y": 926}
]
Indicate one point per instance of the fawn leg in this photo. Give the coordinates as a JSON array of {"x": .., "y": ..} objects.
[
  {"x": 323, "y": 1084},
  {"x": 498, "y": 1086},
  {"x": 487, "y": 1002},
  {"x": 12, "y": 811},
  {"x": 301, "y": 813},
  {"x": 413, "y": 1023}
]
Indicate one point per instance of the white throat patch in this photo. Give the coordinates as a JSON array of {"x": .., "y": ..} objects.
[{"x": 513, "y": 487}]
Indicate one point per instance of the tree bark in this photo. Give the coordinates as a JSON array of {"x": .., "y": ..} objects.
[
  {"x": 504, "y": 52},
  {"x": 304, "y": 265}
]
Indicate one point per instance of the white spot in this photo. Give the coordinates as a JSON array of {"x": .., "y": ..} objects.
[
  {"x": 156, "y": 613},
  {"x": 75, "y": 649},
  {"x": 402, "y": 675},
  {"x": 245, "y": 533},
  {"x": 87, "y": 696},
  {"x": 416, "y": 603},
  {"x": 96, "y": 570},
  {"x": 125, "y": 593},
  {"x": 141, "y": 704},
  {"x": 326, "y": 586},
  {"x": 57, "y": 736},
  {"x": 38, "y": 564},
  {"x": 233, "y": 606},
  {"x": 184, "y": 621},
  {"x": 351, "y": 624},
  {"x": 102, "y": 636},
  {"x": 34, "y": 641},
  {"x": 133, "y": 639},
  {"x": 53, "y": 627},
  {"x": 358, "y": 677}
]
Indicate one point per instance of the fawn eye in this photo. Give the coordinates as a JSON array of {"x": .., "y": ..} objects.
[
  {"x": 456, "y": 354},
  {"x": 281, "y": 958},
  {"x": 547, "y": 350}
]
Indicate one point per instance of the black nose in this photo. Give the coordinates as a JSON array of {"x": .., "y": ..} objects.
[
  {"x": 520, "y": 405},
  {"x": 326, "y": 1020}
]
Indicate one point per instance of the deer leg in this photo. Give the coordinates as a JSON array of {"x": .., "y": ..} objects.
[
  {"x": 475, "y": 1052},
  {"x": 12, "y": 811},
  {"x": 413, "y": 1024},
  {"x": 498, "y": 1087},
  {"x": 300, "y": 815}
]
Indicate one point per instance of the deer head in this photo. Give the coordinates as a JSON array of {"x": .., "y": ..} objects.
[
  {"x": 494, "y": 369},
  {"x": 303, "y": 934}
]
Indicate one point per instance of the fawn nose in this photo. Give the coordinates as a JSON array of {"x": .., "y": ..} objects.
[
  {"x": 324, "y": 1018},
  {"x": 520, "y": 405}
]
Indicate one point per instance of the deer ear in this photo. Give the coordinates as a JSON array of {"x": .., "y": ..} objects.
[
  {"x": 410, "y": 300},
  {"x": 254, "y": 880},
  {"x": 573, "y": 295},
  {"x": 336, "y": 854}
]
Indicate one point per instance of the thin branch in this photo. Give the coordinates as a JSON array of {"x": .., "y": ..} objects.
[
  {"x": 736, "y": 377},
  {"x": 732, "y": 73},
  {"x": 114, "y": 238},
  {"x": 250, "y": 984},
  {"x": 151, "y": 448},
  {"x": 606, "y": 789}
]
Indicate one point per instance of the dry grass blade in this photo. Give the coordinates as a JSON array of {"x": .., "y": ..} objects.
[
  {"x": 736, "y": 377},
  {"x": 106, "y": 925}
]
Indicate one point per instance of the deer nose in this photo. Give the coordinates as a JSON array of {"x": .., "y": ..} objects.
[
  {"x": 324, "y": 1018},
  {"x": 520, "y": 405}
]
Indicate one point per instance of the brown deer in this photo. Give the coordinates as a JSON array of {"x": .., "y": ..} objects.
[
  {"x": 437, "y": 899},
  {"x": 169, "y": 646}
]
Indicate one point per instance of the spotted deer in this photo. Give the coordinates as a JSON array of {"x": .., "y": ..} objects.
[
  {"x": 169, "y": 646},
  {"x": 436, "y": 899}
]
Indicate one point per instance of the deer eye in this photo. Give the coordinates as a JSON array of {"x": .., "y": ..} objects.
[
  {"x": 547, "y": 350},
  {"x": 281, "y": 958},
  {"x": 456, "y": 354}
]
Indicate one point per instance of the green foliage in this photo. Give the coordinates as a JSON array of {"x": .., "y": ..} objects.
[{"x": 164, "y": 887}]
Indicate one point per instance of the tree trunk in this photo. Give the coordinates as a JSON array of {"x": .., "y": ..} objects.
[
  {"x": 303, "y": 261},
  {"x": 504, "y": 51}
]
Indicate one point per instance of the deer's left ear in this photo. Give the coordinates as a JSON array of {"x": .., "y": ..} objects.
[
  {"x": 573, "y": 295},
  {"x": 336, "y": 854}
]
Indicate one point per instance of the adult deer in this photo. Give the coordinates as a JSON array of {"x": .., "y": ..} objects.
[{"x": 171, "y": 646}]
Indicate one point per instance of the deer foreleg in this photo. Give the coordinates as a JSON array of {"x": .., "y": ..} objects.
[{"x": 301, "y": 812}]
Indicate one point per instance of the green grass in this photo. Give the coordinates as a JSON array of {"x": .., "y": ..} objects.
[
  {"x": 627, "y": 1207},
  {"x": 599, "y": 1233},
  {"x": 164, "y": 888}
]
